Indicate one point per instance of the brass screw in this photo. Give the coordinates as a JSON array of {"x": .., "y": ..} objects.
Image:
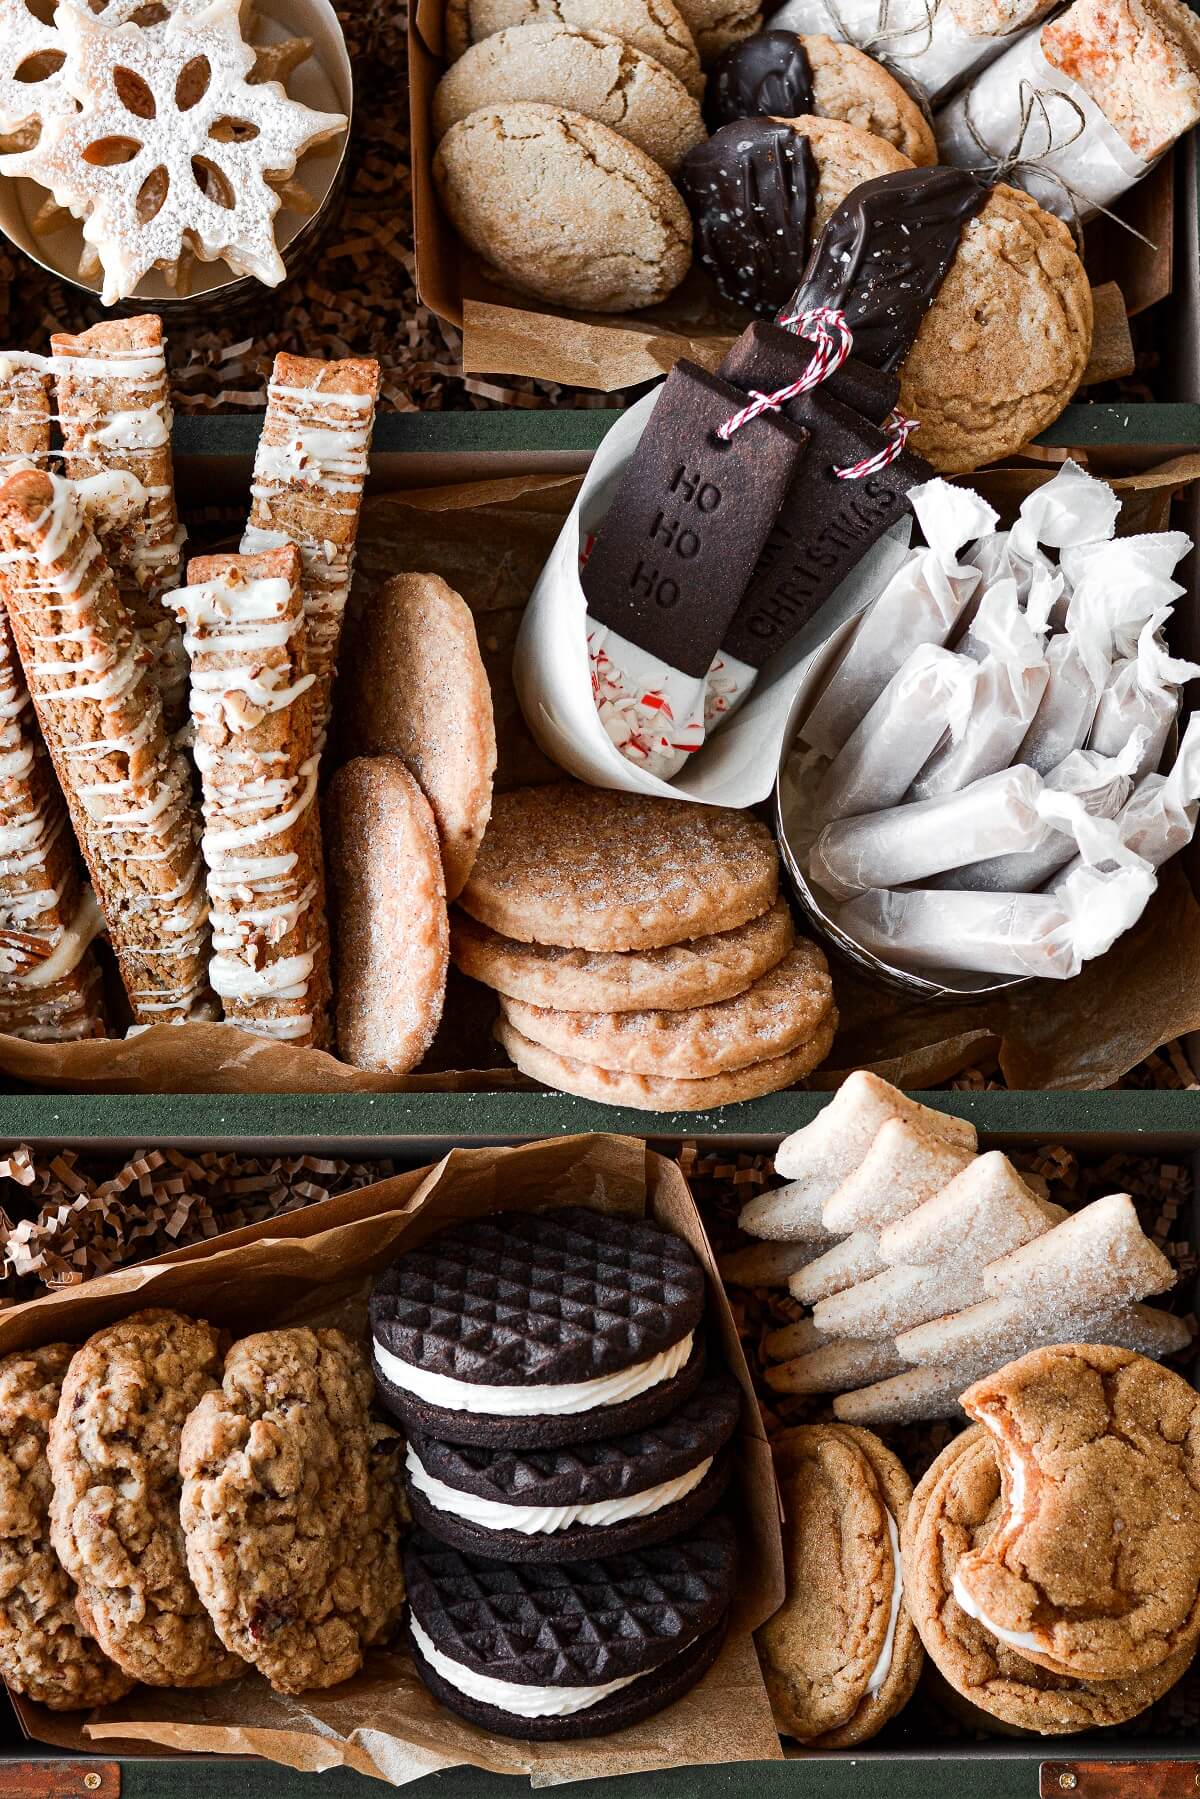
[
  {"x": 92, "y": 1782},
  {"x": 1067, "y": 1780}
]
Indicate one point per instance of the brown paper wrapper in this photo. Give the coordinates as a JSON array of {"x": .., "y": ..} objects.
[
  {"x": 511, "y": 334},
  {"x": 317, "y": 1269},
  {"x": 489, "y": 540}
]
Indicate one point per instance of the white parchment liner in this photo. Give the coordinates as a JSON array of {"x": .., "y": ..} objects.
[{"x": 738, "y": 763}]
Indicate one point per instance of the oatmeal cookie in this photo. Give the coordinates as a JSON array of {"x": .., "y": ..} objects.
[
  {"x": 290, "y": 1507},
  {"x": 114, "y": 1517},
  {"x": 44, "y": 1652}
]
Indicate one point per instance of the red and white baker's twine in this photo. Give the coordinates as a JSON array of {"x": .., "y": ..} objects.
[
  {"x": 828, "y": 356},
  {"x": 870, "y": 465}
]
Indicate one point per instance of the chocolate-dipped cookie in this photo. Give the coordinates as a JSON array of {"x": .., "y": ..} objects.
[
  {"x": 784, "y": 75},
  {"x": 976, "y": 297}
]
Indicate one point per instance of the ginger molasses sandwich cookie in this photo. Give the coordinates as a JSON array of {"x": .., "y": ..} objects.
[
  {"x": 841, "y": 1656},
  {"x": 782, "y": 75},
  {"x": 955, "y": 1511},
  {"x": 588, "y": 868},
  {"x": 573, "y": 1650},
  {"x": 530, "y": 1329},
  {"x": 583, "y": 1499},
  {"x": 1093, "y": 1569},
  {"x": 975, "y": 296}
]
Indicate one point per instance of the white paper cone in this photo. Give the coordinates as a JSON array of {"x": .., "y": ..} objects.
[{"x": 738, "y": 763}]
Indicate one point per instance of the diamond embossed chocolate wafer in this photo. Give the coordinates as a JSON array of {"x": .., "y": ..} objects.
[
  {"x": 251, "y": 699},
  {"x": 592, "y": 869},
  {"x": 309, "y": 471},
  {"x": 49, "y": 978},
  {"x": 115, "y": 413},
  {"x": 781, "y": 1010},
  {"x": 129, "y": 792}
]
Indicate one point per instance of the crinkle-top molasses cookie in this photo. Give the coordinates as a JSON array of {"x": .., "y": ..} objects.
[
  {"x": 955, "y": 1511},
  {"x": 290, "y": 1509},
  {"x": 44, "y": 1651},
  {"x": 573, "y": 1650},
  {"x": 583, "y": 1499},
  {"x": 536, "y": 1328},
  {"x": 1094, "y": 1566},
  {"x": 114, "y": 1458},
  {"x": 587, "y": 868},
  {"x": 841, "y": 1656}
]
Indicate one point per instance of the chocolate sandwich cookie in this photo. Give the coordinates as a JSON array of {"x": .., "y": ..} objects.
[
  {"x": 530, "y": 1329},
  {"x": 576, "y": 1650},
  {"x": 588, "y": 1499}
]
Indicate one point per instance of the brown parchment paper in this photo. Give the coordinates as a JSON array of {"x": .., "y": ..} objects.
[
  {"x": 512, "y": 334},
  {"x": 384, "y": 1722},
  {"x": 489, "y": 539}
]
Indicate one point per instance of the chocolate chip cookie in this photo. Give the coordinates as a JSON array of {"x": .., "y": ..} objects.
[
  {"x": 1093, "y": 1569},
  {"x": 44, "y": 1652},
  {"x": 290, "y": 1508},
  {"x": 114, "y": 1517},
  {"x": 564, "y": 208},
  {"x": 955, "y": 1510}
]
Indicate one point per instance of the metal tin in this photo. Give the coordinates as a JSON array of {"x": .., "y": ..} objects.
[
  {"x": 900, "y": 980},
  {"x": 325, "y": 82}
]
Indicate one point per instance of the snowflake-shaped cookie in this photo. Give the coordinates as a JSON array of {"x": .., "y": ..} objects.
[
  {"x": 171, "y": 145},
  {"x": 32, "y": 59}
]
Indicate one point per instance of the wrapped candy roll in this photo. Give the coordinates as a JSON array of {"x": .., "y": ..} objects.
[
  {"x": 1116, "y": 83},
  {"x": 909, "y": 843},
  {"x": 1067, "y": 708},
  {"x": 933, "y": 45},
  {"x": 1046, "y": 935},
  {"x": 1086, "y": 790},
  {"x": 930, "y": 696},
  {"x": 1159, "y": 817},
  {"x": 1142, "y": 694},
  {"x": 921, "y": 604},
  {"x": 1011, "y": 680}
]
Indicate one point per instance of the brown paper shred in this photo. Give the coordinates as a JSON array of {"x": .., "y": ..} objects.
[{"x": 64, "y": 1220}]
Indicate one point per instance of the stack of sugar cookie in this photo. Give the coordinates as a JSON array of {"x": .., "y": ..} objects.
[
  {"x": 1052, "y": 1552},
  {"x": 641, "y": 951},
  {"x": 926, "y": 1264}
]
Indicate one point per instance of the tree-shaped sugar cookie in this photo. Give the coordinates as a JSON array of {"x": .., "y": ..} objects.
[{"x": 172, "y": 146}]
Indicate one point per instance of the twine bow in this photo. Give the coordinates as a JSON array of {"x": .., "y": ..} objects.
[
  {"x": 870, "y": 465},
  {"x": 1035, "y": 104}
]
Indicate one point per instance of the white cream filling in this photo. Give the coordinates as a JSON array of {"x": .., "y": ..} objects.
[
  {"x": 883, "y": 1666},
  {"x": 510, "y": 1695},
  {"x": 1015, "y": 1639},
  {"x": 533, "y": 1401},
  {"x": 541, "y": 1520}
]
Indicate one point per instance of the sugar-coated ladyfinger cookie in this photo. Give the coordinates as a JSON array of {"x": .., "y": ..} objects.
[
  {"x": 49, "y": 978},
  {"x": 308, "y": 481},
  {"x": 115, "y": 413},
  {"x": 252, "y": 698},
  {"x": 128, "y": 791}
]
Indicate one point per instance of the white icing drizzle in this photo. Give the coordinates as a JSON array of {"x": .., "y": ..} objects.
[
  {"x": 245, "y": 638},
  {"x": 115, "y": 414},
  {"x": 129, "y": 791},
  {"x": 48, "y": 991},
  {"x": 313, "y": 455}
]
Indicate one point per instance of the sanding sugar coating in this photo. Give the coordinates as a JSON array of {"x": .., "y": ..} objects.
[{"x": 591, "y": 869}]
